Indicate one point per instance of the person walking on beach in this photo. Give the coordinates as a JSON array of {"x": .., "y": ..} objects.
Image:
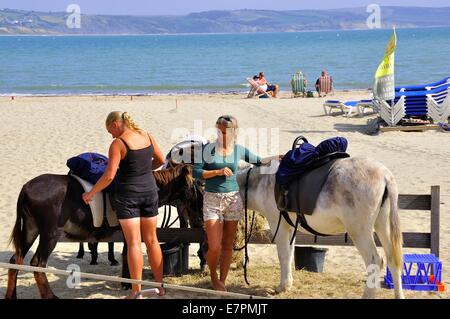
[
  {"x": 136, "y": 204},
  {"x": 222, "y": 204}
]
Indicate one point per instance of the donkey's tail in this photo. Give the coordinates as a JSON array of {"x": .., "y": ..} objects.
[
  {"x": 396, "y": 235},
  {"x": 16, "y": 237}
]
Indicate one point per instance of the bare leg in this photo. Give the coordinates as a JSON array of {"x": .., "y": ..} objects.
[
  {"x": 214, "y": 230},
  {"x": 132, "y": 232},
  {"x": 155, "y": 258},
  {"x": 277, "y": 89},
  {"x": 229, "y": 232}
]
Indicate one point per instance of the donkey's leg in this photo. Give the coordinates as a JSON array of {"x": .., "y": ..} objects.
[
  {"x": 382, "y": 228},
  {"x": 201, "y": 253},
  {"x": 111, "y": 258},
  {"x": 93, "y": 247},
  {"x": 364, "y": 242},
  {"x": 46, "y": 245},
  {"x": 285, "y": 250},
  {"x": 80, "y": 254},
  {"x": 30, "y": 232},
  {"x": 125, "y": 269}
]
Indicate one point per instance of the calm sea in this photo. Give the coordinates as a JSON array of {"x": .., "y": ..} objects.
[{"x": 154, "y": 64}]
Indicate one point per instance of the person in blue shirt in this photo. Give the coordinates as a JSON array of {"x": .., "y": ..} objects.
[{"x": 222, "y": 204}]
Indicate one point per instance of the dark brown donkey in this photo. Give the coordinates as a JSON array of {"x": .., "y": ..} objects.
[{"x": 51, "y": 207}]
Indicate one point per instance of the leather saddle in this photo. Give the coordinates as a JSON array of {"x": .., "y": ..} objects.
[
  {"x": 102, "y": 205},
  {"x": 301, "y": 195}
]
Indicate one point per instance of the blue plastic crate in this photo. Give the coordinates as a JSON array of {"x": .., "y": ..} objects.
[{"x": 420, "y": 272}]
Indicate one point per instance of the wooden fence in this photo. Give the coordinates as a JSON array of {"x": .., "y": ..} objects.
[{"x": 428, "y": 203}]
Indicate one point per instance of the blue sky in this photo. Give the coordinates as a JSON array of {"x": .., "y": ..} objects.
[{"x": 176, "y": 7}]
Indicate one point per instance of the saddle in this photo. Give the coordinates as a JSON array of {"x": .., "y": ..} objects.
[
  {"x": 100, "y": 205},
  {"x": 301, "y": 193}
]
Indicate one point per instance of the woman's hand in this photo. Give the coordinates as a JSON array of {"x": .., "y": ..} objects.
[
  {"x": 226, "y": 172},
  {"x": 87, "y": 197},
  {"x": 268, "y": 160}
]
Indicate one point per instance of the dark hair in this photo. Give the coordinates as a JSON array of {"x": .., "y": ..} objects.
[{"x": 256, "y": 77}]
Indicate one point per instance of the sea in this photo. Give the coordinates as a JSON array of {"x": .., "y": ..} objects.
[{"x": 213, "y": 63}]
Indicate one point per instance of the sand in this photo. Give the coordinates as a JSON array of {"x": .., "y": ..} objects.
[{"x": 38, "y": 135}]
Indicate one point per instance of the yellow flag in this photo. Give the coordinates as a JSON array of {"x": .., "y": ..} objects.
[{"x": 384, "y": 85}]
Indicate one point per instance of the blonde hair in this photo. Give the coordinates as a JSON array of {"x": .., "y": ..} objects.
[
  {"x": 125, "y": 118},
  {"x": 230, "y": 122}
]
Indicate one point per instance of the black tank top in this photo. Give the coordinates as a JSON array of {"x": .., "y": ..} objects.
[{"x": 135, "y": 172}]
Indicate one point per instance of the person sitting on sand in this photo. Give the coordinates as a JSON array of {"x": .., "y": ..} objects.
[
  {"x": 136, "y": 200},
  {"x": 273, "y": 89}
]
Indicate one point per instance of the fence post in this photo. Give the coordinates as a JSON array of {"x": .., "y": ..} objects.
[{"x": 435, "y": 216}]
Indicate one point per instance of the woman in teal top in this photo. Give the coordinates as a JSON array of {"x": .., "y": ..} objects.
[{"x": 222, "y": 204}]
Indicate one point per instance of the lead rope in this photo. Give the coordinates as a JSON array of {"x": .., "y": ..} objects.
[
  {"x": 278, "y": 227},
  {"x": 246, "y": 260},
  {"x": 246, "y": 239}
]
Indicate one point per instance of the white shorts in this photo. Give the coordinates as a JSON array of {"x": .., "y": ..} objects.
[{"x": 222, "y": 206}]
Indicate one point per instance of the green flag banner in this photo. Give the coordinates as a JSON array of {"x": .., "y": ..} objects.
[{"x": 384, "y": 84}]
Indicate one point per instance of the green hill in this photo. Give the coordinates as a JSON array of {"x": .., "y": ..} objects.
[{"x": 30, "y": 22}]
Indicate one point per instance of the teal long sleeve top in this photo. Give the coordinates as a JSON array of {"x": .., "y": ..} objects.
[{"x": 212, "y": 161}]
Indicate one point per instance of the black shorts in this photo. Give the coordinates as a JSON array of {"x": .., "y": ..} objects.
[
  {"x": 136, "y": 205},
  {"x": 271, "y": 87}
]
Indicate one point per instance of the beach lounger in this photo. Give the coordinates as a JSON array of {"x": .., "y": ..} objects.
[
  {"x": 424, "y": 101},
  {"x": 424, "y": 87},
  {"x": 363, "y": 105},
  {"x": 347, "y": 108},
  {"x": 256, "y": 90},
  {"x": 391, "y": 113},
  {"x": 298, "y": 84}
]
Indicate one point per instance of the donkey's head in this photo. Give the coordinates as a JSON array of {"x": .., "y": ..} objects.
[{"x": 175, "y": 184}]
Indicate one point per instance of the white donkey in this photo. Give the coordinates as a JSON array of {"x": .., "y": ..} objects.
[{"x": 358, "y": 197}]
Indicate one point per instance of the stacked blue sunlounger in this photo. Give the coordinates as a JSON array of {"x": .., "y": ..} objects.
[{"x": 416, "y": 100}]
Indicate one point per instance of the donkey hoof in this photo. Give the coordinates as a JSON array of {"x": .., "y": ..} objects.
[
  {"x": 80, "y": 256},
  {"x": 94, "y": 263},
  {"x": 125, "y": 286},
  {"x": 281, "y": 288},
  {"x": 114, "y": 262}
]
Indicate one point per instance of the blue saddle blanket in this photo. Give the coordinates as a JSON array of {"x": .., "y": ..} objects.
[
  {"x": 90, "y": 167},
  {"x": 300, "y": 159}
]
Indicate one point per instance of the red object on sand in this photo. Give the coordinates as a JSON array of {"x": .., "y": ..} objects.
[{"x": 12, "y": 98}]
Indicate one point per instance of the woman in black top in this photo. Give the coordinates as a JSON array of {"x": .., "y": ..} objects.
[{"x": 136, "y": 153}]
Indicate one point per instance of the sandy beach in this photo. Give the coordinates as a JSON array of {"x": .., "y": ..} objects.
[{"x": 40, "y": 133}]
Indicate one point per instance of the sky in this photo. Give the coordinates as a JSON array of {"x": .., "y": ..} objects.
[{"x": 179, "y": 7}]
